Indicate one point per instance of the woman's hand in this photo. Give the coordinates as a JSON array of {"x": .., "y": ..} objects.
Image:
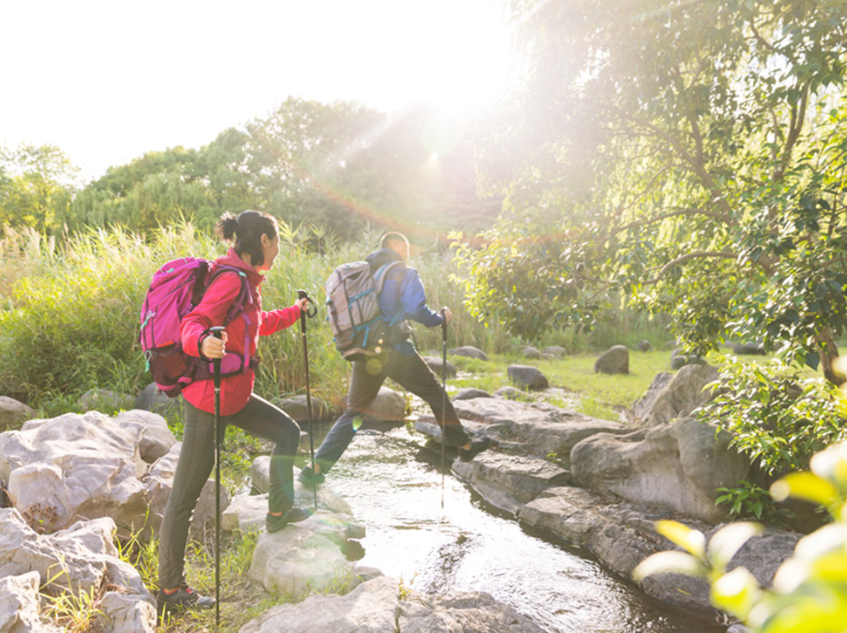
[
  {"x": 302, "y": 303},
  {"x": 214, "y": 347}
]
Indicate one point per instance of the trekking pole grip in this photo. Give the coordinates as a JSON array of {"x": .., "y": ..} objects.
[
  {"x": 308, "y": 312},
  {"x": 217, "y": 332}
]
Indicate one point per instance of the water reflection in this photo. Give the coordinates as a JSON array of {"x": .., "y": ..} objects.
[{"x": 394, "y": 490}]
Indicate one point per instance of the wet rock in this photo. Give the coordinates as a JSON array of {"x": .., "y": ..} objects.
[
  {"x": 677, "y": 466},
  {"x": 304, "y": 556},
  {"x": 530, "y": 352},
  {"x": 260, "y": 478},
  {"x": 509, "y": 481},
  {"x": 468, "y": 351},
  {"x": 527, "y": 377},
  {"x": 615, "y": 360},
  {"x": 375, "y": 607},
  {"x": 644, "y": 346},
  {"x": 151, "y": 399},
  {"x": 436, "y": 364},
  {"x": 644, "y": 405},
  {"x": 19, "y": 606},
  {"x": 296, "y": 407},
  {"x": 555, "y": 351},
  {"x": 680, "y": 395},
  {"x": 622, "y": 534},
  {"x": 469, "y": 393},
  {"x": 558, "y": 433},
  {"x": 389, "y": 406},
  {"x": 105, "y": 400},
  {"x": 13, "y": 412}
]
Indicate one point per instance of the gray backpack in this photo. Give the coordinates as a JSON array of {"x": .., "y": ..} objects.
[{"x": 352, "y": 301}]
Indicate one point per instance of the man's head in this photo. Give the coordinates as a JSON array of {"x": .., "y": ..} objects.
[{"x": 397, "y": 242}]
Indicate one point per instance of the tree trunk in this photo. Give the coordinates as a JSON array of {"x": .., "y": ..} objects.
[{"x": 829, "y": 354}]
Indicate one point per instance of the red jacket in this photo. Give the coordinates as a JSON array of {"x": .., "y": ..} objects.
[{"x": 235, "y": 390}]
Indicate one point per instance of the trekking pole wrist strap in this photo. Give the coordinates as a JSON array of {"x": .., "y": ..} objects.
[{"x": 206, "y": 334}]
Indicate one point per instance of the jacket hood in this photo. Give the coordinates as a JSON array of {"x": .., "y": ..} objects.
[
  {"x": 383, "y": 256},
  {"x": 232, "y": 259}
]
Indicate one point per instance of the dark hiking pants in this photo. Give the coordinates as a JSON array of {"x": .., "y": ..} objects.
[
  {"x": 413, "y": 374},
  {"x": 196, "y": 461}
]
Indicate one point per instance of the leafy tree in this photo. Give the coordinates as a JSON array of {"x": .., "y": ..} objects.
[
  {"x": 688, "y": 154},
  {"x": 36, "y": 185}
]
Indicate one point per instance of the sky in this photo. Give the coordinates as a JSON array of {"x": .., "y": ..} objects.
[{"x": 106, "y": 82}]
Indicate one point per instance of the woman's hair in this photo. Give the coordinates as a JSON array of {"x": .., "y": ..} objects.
[{"x": 246, "y": 231}]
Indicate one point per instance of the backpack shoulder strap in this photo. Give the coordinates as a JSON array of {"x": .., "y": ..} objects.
[
  {"x": 381, "y": 274},
  {"x": 243, "y": 298}
]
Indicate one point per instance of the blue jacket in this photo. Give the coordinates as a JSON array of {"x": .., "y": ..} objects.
[{"x": 403, "y": 296}]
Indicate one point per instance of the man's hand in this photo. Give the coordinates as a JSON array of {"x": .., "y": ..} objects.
[{"x": 445, "y": 312}]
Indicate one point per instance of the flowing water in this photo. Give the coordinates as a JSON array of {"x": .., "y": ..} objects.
[{"x": 393, "y": 485}]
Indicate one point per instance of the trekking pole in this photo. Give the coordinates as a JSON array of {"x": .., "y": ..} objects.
[
  {"x": 444, "y": 396},
  {"x": 302, "y": 294},
  {"x": 216, "y": 332}
]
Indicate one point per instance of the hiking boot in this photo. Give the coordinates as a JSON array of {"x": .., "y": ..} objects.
[
  {"x": 181, "y": 599},
  {"x": 477, "y": 446},
  {"x": 292, "y": 515},
  {"x": 309, "y": 478}
]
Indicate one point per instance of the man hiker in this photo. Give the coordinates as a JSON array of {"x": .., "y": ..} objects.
[{"x": 402, "y": 297}]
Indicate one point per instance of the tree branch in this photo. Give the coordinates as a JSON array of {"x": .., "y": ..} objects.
[
  {"x": 684, "y": 258},
  {"x": 671, "y": 214}
]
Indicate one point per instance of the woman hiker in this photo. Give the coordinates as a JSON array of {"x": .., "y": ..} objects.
[{"x": 256, "y": 245}]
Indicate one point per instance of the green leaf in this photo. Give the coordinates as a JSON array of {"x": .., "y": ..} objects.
[
  {"x": 690, "y": 540},
  {"x": 669, "y": 562},
  {"x": 805, "y": 486},
  {"x": 727, "y": 541},
  {"x": 736, "y": 592}
]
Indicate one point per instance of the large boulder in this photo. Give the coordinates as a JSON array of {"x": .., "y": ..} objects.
[
  {"x": 644, "y": 405},
  {"x": 75, "y": 466},
  {"x": 509, "y": 481},
  {"x": 469, "y": 393},
  {"x": 528, "y": 351},
  {"x": 105, "y": 400},
  {"x": 555, "y": 351},
  {"x": 615, "y": 360},
  {"x": 388, "y": 406},
  {"x": 151, "y": 399},
  {"x": 376, "y": 606},
  {"x": 677, "y": 466},
  {"x": 527, "y": 377},
  {"x": 469, "y": 351},
  {"x": 679, "y": 359},
  {"x": 644, "y": 346},
  {"x": 157, "y": 438},
  {"x": 13, "y": 412},
  {"x": 298, "y": 408},
  {"x": 680, "y": 395},
  {"x": 436, "y": 364}
]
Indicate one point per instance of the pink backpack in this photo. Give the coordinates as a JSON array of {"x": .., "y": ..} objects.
[{"x": 176, "y": 289}]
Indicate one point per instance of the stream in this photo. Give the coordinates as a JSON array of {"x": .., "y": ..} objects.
[{"x": 394, "y": 487}]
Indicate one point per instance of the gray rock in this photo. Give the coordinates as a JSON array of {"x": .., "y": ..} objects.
[
  {"x": 615, "y": 360},
  {"x": 676, "y": 466},
  {"x": 527, "y": 377},
  {"x": 151, "y": 399},
  {"x": 260, "y": 477},
  {"x": 19, "y": 606},
  {"x": 436, "y": 364},
  {"x": 682, "y": 394},
  {"x": 512, "y": 393},
  {"x": 558, "y": 433},
  {"x": 509, "y": 481},
  {"x": 389, "y": 406},
  {"x": 468, "y": 351},
  {"x": 157, "y": 439},
  {"x": 530, "y": 352},
  {"x": 644, "y": 346},
  {"x": 680, "y": 360},
  {"x": 105, "y": 400},
  {"x": 303, "y": 557},
  {"x": 555, "y": 351},
  {"x": 75, "y": 466},
  {"x": 121, "y": 613},
  {"x": 749, "y": 349},
  {"x": 644, "y": 405},
  {"x": 469, "y": 393},
  {"x": 296, "y": 407},
  {"x": 13, "y": 412}
]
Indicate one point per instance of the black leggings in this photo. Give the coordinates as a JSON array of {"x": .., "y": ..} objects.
[{"x": 196, "y": 461}]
